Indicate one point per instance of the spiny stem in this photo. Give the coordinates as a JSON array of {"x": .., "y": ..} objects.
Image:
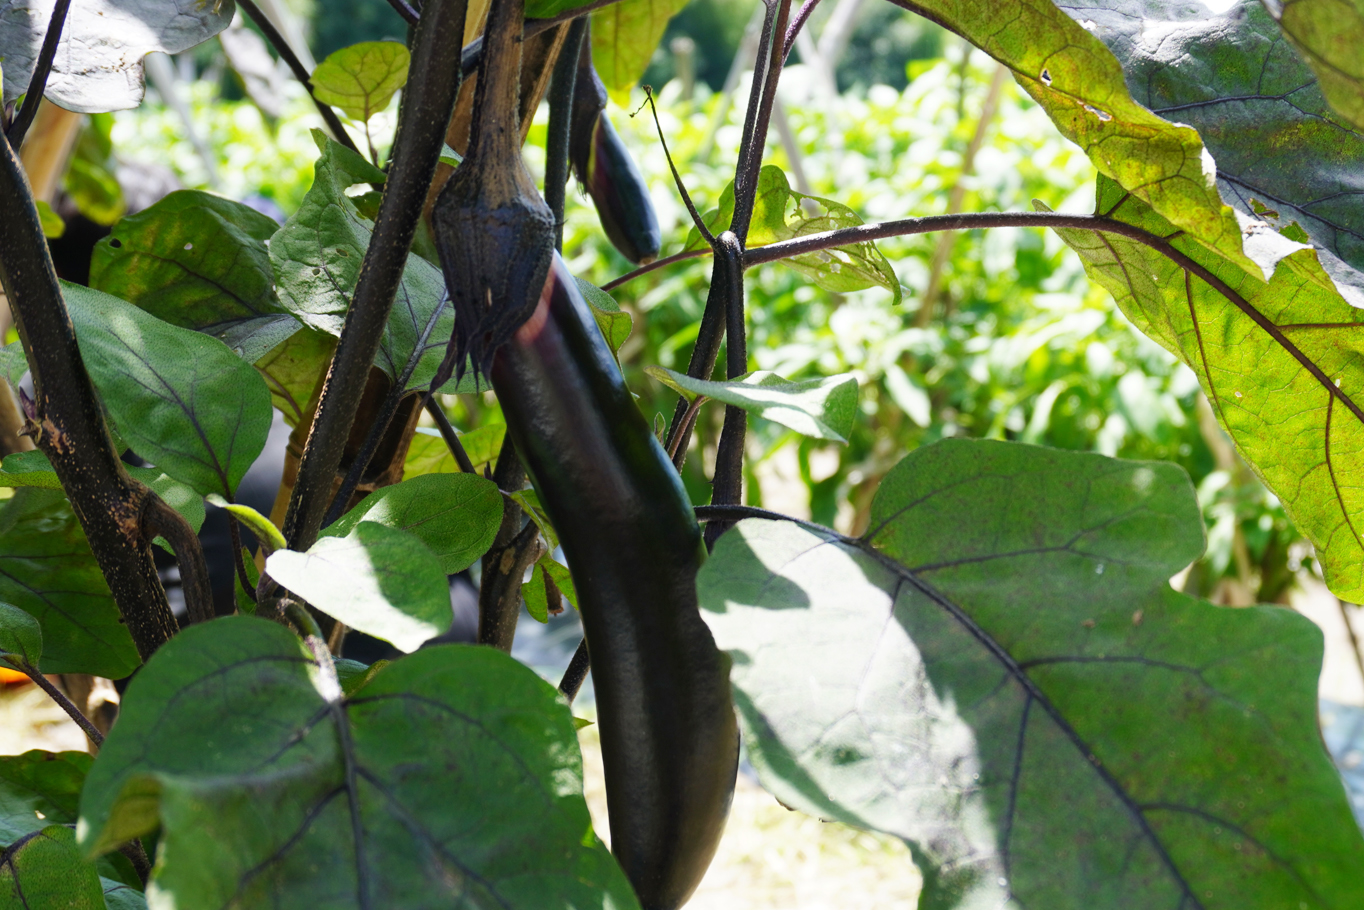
[{"x": 38, "y": 84}]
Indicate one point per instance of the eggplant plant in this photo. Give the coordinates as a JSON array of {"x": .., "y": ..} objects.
[{"x": 996, "y": 670}]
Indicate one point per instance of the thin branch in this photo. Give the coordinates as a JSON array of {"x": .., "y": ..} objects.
[
  {"x": 448, "y": 433},
  {"x": 286, "y": 53},
  {"x": 798, "y": 23},
  {"x": 656, "y": 264},
  {"x": 137, "y": 855},
  {"x": 576, "y": 672},
  {"x": 404, "y": 9},
  {"x": 745, "y": 174},
  {"x": 534, "y": 27},
  {"x": 428, "y": 101},
  {"x": 565, "y": 80},
  {"x": 677, "y": 178},
  {"x": 38, "y": 84},
  {"x": 64, "y": 703},
  {"x": 688, "y": 421},
  {"x": 160, "y": 518}
]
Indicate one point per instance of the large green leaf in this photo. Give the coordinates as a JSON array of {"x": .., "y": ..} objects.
[
  {"x": 1080, "y": 85},
  {"x": 821, "y": 408},
  {"x": 292, "y": 370},
  {"x": 452, "y": 778},
  {"x": 1002, "y": 675},
  {"x": 362, "y": 79},
  {"x": 381, "y": 580},
  {"x": 455, "y": 515},
  {"x": 45, "y": 871},
  {"x": 624, "y": 37},
  {"x": 47, "y": 570},
  {"x": 181, "y": 399},
  {"x": 38, "y": 789},
  {"x": 21, "y": 638},
  {"x": 780, "y": 213},
  {"x": 201, "y": 262},
  {"x": 429, "y": 454},
  {"x": 1281, "y": 153},
  {"x": 1287, "y": 392},
  {"x": 317, "y": 257},
  {"x": 1329, "y": 34}
]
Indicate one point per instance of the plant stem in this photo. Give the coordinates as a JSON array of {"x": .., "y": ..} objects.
[
  {"x": 745, "y": 173},
  {"x": 137, "y": 855},
  {"x": 234, "y": 533},
  {"x": 448, "y": 433},
  {"x": 286, "y": 53},
  {"x": 798, "y": 23},
  {"x": 499, "y": 598},
  {"x": 561, "y": 125},
  {"x": 160, "y": 518},
  {"x": 38, "y": 84},
  {"x": 404, "y": 9},
  {"x": 656, "y": 264},
  {"x": 67, "y": 422},
  {"x": 576, "y": 672},
  {"x": 427, "y": 104},
  {"x": 65, "y": 704},
  {"x": 728, "y": 482}
]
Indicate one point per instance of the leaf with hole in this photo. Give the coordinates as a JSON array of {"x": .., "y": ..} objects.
[
  {"x": 181, "y": 399},
  {"x": 455, "y": 515},
  {"x": 362, "y": 79},
  {"x": 267, "y": 795},
  {"x": 1329, "y": 34},
  {"x": 820, "y": 408},
  {"x": 48, "y": 571},
  {"x": 380, "y": 580},
  {"x": 200, "y": 262},
  {"x": 780, "y": 213},
  {"x": 1007, "y": 681}
]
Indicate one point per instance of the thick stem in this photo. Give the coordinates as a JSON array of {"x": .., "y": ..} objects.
[
  {"x": 495, "y": 135},
  {"x": 561, "y": 125},
  {"x": 427, "y": 105},
  {"x": 160, "y": 518},
  {"x": 67, "y": 420},
  {"x": 499, "y": 563},
  {"x": 500, "y": 597},
  {"x": 766, "y": 74},
  {"x": 38, "y": 84},
  {"x": 728, "y": 483}
]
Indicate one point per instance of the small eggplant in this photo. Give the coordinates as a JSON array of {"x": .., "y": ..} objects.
[
  {"x": 606, "y": 170},
  {"x": 670, "y": 743}
]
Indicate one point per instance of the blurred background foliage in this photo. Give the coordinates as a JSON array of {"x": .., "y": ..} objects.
[{"x": 891, "y": 116}]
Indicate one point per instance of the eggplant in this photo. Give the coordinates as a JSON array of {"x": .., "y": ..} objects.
[
  {"x": 608, "y": 173},
  {"x": 670, "y": 743}
]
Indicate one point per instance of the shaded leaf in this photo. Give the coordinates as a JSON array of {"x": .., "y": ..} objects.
[
  {"x": 821, "y": 408},
  {"x": 292, "y": 371},
  {"x": 98, "y": 66},
  {"x": 615, "y": 323},
  {"x": 429, "y": 454},
  {"x": 1329, "y": 34},
  {"x": 1298, "y": 379},
  {"x": 45, "y": 871},
  {"x": 624, "y": 37},
  {"x": 535, "y": 596},
  {"x": 39, "y": 782},
  {"x": 21, "y": 638},
  {"x": 354, "y": 675},
  {"x": 362, "y": 79},
  {"x": 180, "y": 399},
  {"x": 13, "y": 362},
  {"x": 1008, "y": 681},
  {"x": 455, "y": 515},
  {"x": 121, "y": 896},
  {"x": 255, "y": 522},
  {"x": 47, "y": 570},
  {"x": 1282, "y": 155},
  {"x": 780, "y": 213},
  {"x": 380, "y": 580},
  {"x": 53, "y": 225},
  {"x": 200, "y": 262},
  {"x": 317, "y": 257},
  {"x": 467, "y": 781},
  {"x": 529, "y": 500}
]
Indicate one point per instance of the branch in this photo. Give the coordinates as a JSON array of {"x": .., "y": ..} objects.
[
  {"x": 286, "y": 53},
  {"x": 160, "y": 518},
  {"x": 64, "y": 703},
  {"x": 576, "y": 672},
  {"x": 66, "y": 419},
  {"x": 656, "y": 264},
  {"x": 756, "y": 118},
  {"x": 38, "y": 84},
  {"x": 798, "y": 23},
  {"x": 404, "y": 9},
  {"x": 448, "y": 433},
  {"x": 427, "y": 104},
  {"x": 499, "y": 598}
]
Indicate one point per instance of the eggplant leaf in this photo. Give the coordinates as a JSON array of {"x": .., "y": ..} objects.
[
  {"x": 13, "y": 363},
  {"x": 362, "y": 79},
  {"x": 21, "y": 638},
  {"x": 378, "y": 579},
  {"x": 624, "y": 36},
  {"x": 429, "y": 454},
  {"x": 1008, "y": 682},
  {"x": 465, "y": 781},
  {"x": 820, "y": 408},
  {"x": 45, "y": 871},
  {"x": 615, "y": 323},
  {"x": 39, "y": 782},
  {"x": 1329, "y": 34}
]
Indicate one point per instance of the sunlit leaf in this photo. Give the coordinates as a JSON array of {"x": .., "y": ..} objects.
[
  {"x": 429, "y": 454},
  {"x": 820, "y": 408},
  {"x": 362, "y": 79},
  {"x": 615, "y": 323},
  {"x": 1329, "y": 34}
]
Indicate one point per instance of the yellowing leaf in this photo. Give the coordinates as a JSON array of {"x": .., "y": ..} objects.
[
  {"x": 624, "y": 36},
  {"x": 361, "y": 79}
]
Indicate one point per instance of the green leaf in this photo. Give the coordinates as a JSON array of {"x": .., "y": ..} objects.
[
  {"x": 1329, "y": 34},
  {"x": 455, "y": 515},
  {"x": 200, "y": 262},
  {"x": 615, "y": 323},
  {"x": 1256, "y": 379},
  {"x": 1080, "y": 85},
  {"x": 53, "y": 225},
  {"x": 429, "y": 454},
  {"x": 780, "y": 213},
  {"x": 94, "y": 189},
  {"x": 543, "y": 9},
  {"x": 21, "y": 638},
  {"x": 529, "y": 500},
  {"x": 536, "y": 597},
  {"x": 354, "y": 675},
  {"x": 246, "y": 602},
  {"x": 563, "y": 579},
  {"x": 265, "y": 531},
  {"x": 467, "y": 781},
  {"x": 45, "y": 871},
  {"x": 181, "y": 399},
  {"x": 1282, "y": 155},
  {"x": 47, "y": 570},
  {"x": 32, "y": 469},
  {"x": 317, "y": 257},
  {"x": 362, "y": 79},
  {"x": 13, "y": 363},
  {"x": 450, "y": 156},
  {"x": 1007, "y": 681},
  {"x": 624, "y": 37},
  {"x": 122, "y": 896},
  {"x": 821, "y": 408},
  {"x": 292, "y": 371},
  {"x": 38, "y": 789},
  {"x": 380, "y": 580}
]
